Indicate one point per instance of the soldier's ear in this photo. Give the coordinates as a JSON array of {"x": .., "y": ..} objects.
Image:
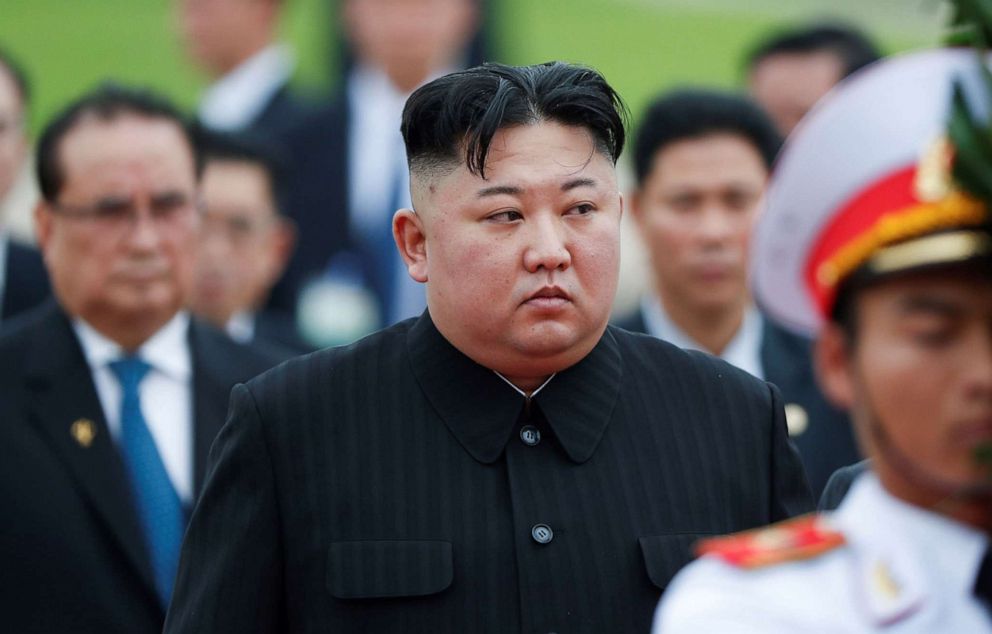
[
  {"x": 833, "y": 359},
  {"x": 411, "y": 240}
]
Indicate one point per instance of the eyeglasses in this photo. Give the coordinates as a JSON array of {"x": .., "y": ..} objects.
[{"x": 168, "y": 211}]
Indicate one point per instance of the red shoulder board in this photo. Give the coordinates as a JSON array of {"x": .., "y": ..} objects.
[{"x": 800, "y": 538}]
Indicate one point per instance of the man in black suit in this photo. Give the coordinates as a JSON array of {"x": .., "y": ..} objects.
[
  {"x": 349, "y": 170},
  {"x": 112, "y": 396},
  {"x": 702, "y": 159},
  {"x": 234, "y": 42},
  {"x": 23, "y": 281},
  {"x": 505, "y": 462},
  {"x": 245, "y": 241}
]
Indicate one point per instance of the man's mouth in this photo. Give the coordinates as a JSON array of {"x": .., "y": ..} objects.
[{"x": 548, "y": 297}]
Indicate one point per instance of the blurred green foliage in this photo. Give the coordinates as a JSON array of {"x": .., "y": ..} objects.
[{"x": 641, "y": 46}]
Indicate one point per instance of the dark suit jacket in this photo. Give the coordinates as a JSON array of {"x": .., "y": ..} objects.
[
  {"x": 386, "y": 487},
  {"x": 276, "y": 328},
  {"x": 828, "y": 441},
  {"x": 72, "y": 555},
  {"x": 26, "y": 282},
  {"x": 316, "y": 198},
  {"x": 839, "y": 484}
]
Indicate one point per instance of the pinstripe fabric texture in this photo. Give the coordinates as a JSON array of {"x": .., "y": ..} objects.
[{"x": 385, "y": 487}]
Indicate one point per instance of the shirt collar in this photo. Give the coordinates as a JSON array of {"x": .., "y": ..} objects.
[
  {"x": 948, "y": 550},
  {"x": 481, "y": 410},
  {"x": 166, "y": 351},
  {"x": 743, "y": 351},
  {"x": 235, "y": 99}
]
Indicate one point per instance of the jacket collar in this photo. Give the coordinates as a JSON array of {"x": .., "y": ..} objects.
[{"x": 481, "y": 410}]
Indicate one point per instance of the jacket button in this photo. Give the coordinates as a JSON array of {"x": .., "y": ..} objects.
[
  {"x": 542, "y": 533},
  {"x": 530, "y": 435}
]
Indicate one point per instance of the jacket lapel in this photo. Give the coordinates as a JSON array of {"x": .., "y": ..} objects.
[
  {"x": 210, "y": 393},
  {"x": 64, "y": 405}
]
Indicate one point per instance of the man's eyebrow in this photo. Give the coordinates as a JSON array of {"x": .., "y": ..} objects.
[
  {"x": 937, "y": 305},
  {"x": 578, "y": 182},
  {"x": 499, "y": 190}
]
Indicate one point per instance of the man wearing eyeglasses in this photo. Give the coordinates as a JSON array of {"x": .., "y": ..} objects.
[{"x": 111, "y": 397}]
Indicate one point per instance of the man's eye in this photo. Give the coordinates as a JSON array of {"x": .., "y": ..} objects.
[
  {"x": 112, "y": 209},
  {"x": 582, "y": 209},
  {"x": 509, "y": 215},
  {"x": 933, "y": 337},
  {"x": 168, "y": 205}
]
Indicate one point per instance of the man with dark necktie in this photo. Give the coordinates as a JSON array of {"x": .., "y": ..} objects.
[{"x": 113, "y": 395}]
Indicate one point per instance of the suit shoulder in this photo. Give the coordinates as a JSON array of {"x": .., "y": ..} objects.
[
  {"x": 647, "y": 353},
  {"x": 368, "y": 358},
  {"x": 243, "y": 360}
]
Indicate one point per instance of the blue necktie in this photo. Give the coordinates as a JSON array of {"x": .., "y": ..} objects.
[{"x": 159, "y": 508}]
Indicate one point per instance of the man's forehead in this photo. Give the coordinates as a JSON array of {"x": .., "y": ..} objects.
[{"x": 94, "y": 142}]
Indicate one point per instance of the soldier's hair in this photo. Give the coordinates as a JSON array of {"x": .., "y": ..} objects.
[
  {"x": 452, "y": 120},
  {"x": 694, "y": 113},
  {"x": 851, "y": 46},
  {"x": 108, "y": 102}
]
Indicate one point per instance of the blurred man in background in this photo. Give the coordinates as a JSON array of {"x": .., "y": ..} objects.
[
  {"x": 113, "y": 396},
  {"x": 245, "y": 241},
  {"x": 702, "y": 160},
  {"x": 23, "y": 280},
  {"x": 789, "y": 72},
  {"x": 878, "y": 236},
  {"x": 234, "y": 43},
  {"x": 350, "y": 173}
]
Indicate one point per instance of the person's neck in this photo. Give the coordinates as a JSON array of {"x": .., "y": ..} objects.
[
  {"x": 712, "y": 328},
  {"x": 973, "y": 509},
  {"x": 234, "y": 63}
]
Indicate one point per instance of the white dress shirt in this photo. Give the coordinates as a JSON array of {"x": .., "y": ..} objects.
[
  {"x": 903, "y": 570},
  {"x": 166, "y": 393},
  {"x": 743, "y": 351},
  {"x": 236, "y": 99}
]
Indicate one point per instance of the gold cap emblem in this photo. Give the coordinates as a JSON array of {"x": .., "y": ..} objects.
[{"x": 83, "y": 430}]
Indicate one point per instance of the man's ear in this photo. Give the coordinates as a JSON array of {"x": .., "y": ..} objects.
[
  {"x": 284, "y": 242},
  {"x": 411, "y": 240},
  {"x": 42, "y": 224},
  {"x": 633, "y": 200},
  {"x": 833, "y": 357}
]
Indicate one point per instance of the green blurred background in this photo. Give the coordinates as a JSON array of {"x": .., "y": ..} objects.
[{"x": 642, "y": 46}]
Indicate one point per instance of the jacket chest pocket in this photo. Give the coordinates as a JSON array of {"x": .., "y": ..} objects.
[
  {"x": 665, "y": 555},
  {"x": 377, "y": 569}
]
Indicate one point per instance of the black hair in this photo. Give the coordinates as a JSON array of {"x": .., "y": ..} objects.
[
  {"x": 849, "y": 44},
  {"x": 453, "y": 119},
  {"x": 107, "y": 102},
  {"x": 246, "y": 147},
  {"x": 694, "y": 113},
  {"x": 16, "y": 72}
]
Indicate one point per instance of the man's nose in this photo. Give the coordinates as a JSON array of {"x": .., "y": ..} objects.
[
  {"x": 715, "y": 224},
  {"x": 979, "y": 367},
  {"x": 547, "y": 248},
  {"x": 143, "y": 232}
]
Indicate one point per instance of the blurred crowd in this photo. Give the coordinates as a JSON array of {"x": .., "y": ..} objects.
[{"x": 261, "y": 227}]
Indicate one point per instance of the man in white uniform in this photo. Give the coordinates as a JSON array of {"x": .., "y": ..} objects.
[{"x": 878, "y": 239}]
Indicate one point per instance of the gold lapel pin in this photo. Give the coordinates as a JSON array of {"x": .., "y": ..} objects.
[{"x": 83, "y": 430}]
